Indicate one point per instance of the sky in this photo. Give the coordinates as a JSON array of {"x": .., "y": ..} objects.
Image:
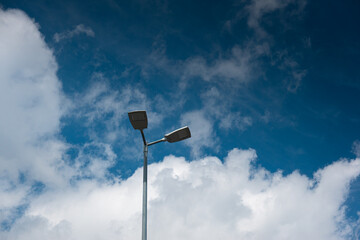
[{"x": 269, "y": 89}]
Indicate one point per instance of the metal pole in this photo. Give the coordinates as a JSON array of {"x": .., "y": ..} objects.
[{"x": 144, "y": 207}]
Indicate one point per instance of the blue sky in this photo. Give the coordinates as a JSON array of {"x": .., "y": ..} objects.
[{"x": 275, "y": 77}]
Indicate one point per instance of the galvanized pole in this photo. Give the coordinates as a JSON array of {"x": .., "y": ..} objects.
[{"x": 144, "y": 206}]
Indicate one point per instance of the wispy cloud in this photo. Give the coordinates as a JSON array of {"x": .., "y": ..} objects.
[
  {"x": 295, "y": 73},
  {"x": 257, "y": 9},
  {"x": 203, "y": 132},
  {"x": 218, "y": 105},
  {"x": 215, "y": 113},
  {"x": 238, "y": 66},
  {"x": 79, "y": 29},
  {"x": 259, "y": 14},
  {"x": 101, "y": 105},
  {"x": 356, "y": 148}
]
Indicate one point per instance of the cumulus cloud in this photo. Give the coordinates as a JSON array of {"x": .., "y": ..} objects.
[
  {"x": 79, "y": 29},
  {"x": 31, "y": 104},
  {"x": 30, "y": 100},
  {"x": 31, "y": 107},
  {"x": 203, "y": 199}
]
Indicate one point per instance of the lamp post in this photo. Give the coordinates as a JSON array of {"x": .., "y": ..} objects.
[{"x": 139, "y": 121}]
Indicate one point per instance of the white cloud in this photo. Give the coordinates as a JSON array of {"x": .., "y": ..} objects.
[
  {"x": 79, "y": 29},
  {"x": 204, "y": 199},
  {"x": 31, "y": 106},
  {"x": 31, "y": 102}
]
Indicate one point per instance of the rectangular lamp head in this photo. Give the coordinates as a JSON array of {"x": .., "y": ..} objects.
[
  {"x": 138, "y": 119},
  {"x": 178, "y": 135}
]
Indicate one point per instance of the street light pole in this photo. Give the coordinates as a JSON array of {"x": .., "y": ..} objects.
[
  {"x": 138, "y": 120},
  {"x": 144, "y": 202},
  {"x": 144, "y": 206},
  {"x": 145, "y": 168}
]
